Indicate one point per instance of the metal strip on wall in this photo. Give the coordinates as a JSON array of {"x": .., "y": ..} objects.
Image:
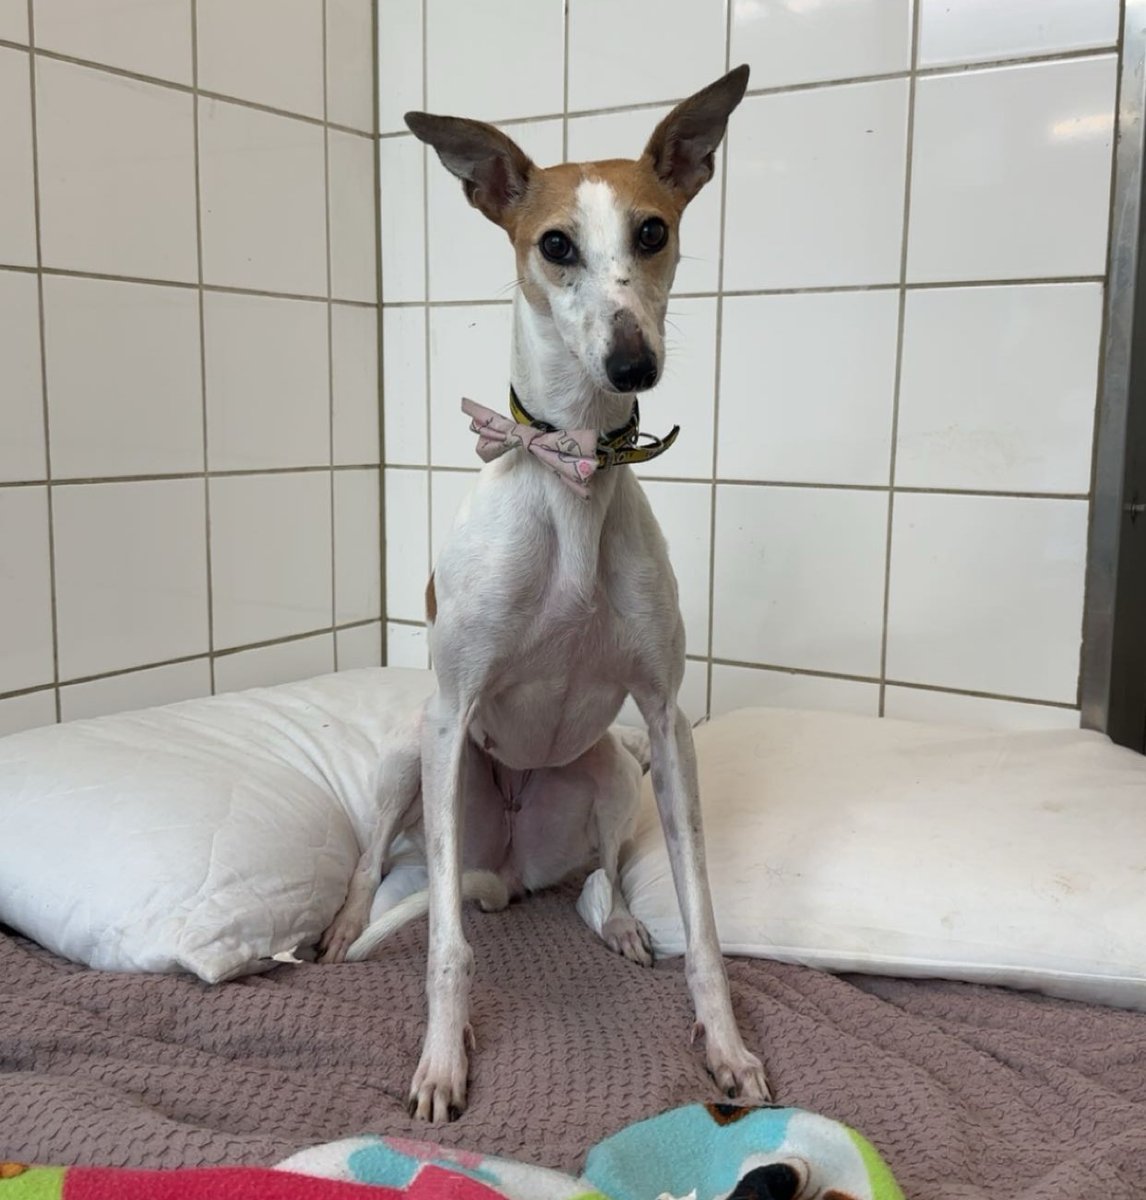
[{"x": 1122, "y": 359}]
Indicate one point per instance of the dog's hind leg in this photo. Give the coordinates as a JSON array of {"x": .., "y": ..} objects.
[
  {"x": 617, "y": 780},
  {"x": 400, "y": 783}
]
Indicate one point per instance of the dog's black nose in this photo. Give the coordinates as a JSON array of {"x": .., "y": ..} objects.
[{"x": 631, "y": 374}]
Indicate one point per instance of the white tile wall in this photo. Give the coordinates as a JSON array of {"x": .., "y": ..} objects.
[
  {"x": 149, "y": 37},
  {"x": 264, "y": 200},
  {"x": 17, "y": 198},
  {"x": 22, "y": 413},
  {"x": 268, "y": 382},
  {"x": 125, "y": 393},
  {"x": 190, "y": 434},
  {"x": 883, "y": 345},
  {"x": 117, "y": 174},
  {"x": 1011, "y": 172},
  {"x": 131, "y": 587}
]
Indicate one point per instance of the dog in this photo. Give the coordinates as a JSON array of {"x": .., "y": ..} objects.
[{"x": 553, "y": 598}]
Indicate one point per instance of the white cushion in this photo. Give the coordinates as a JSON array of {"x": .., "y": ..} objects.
[
  {"x": 208, "y": 835},
  {"x": 856, "y": 844}
]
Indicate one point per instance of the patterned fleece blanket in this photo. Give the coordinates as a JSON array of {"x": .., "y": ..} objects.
[{"x": 701, "y": 1152}]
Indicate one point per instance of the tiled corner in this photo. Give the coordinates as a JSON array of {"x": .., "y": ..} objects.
[
  {"x": 684, "y": 513},
  {"x": 350, "y": 63},
  {"x": 268, "y": 666},
  {"x": 271, "y": 572},
  {"x": 360, "y": 646},
  {"x": 153, "y": 38},
  {"x": 469, "y": 353},
  {"x": 14, "y": 21},
  {"x": 1004, "y": 29},
  {"x": 998, "y": 388},
  {"x": 791, "y": 43},
  {"x": 799, "y": 576},
  {"x": 131, "y": 588},
  {"x": 685, "y": 395},
  {"x": 268, "y": 383},
  {"x": 754, "y": 687},
  {"x": 528, "y": 36},
  {"x": 401, "y": 199},
  {"x": 25, "y": 590},
  {"x": 124, "y": 388},
  {"x": 1011, "y": 172},
  {"x": 29, "y": 711},
  {"x": 956, "y": 708},
  {"x": 399, "y": 62},
  {"x": 264, "y": 200},
  {"x": 449, "y": 491},
  {"x": 610, "y": 44},
  {"x": 404, "y": 384},
  {"x": 353, "y": 249},
  {"x": 17, "y": 196},
  {"x": 234, "y": 58},
  {"x": 470, "y": 257},
  {"x": 136, "y": 689},
  {"x": 22, "y": 413},
  {"x": 357, "y": 546},
  {"x": 816, "y": 187},
  {"x": 806, "y": 387},
  {"x": 624, "y": 135},
  {"x": 354, "y": 353},
  {"x": 407, "y": 646},
  {"x": 407, "y": 543},
  {"x": 986, "y": 594},
  {"x": 128, "y": 149}
]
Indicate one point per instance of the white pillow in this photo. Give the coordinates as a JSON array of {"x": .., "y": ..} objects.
[
  {"x": 857, "y": 844},
  {"x": 208, "y": 835}
]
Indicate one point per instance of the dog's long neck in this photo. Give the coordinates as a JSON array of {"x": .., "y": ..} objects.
[{"x": 551, "y": 383}]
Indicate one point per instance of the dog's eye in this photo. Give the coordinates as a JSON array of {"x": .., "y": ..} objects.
[
  {"x": 652, "y": 235},
  {"x": 557, "y": 247}
]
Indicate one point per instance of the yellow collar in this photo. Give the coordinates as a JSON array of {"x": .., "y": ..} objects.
[{"x": 618, "y": 447}]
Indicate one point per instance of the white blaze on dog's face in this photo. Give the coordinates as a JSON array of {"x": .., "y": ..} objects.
[{"x": 597, "y": 243}]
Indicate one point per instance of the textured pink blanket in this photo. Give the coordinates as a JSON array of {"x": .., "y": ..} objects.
[{"x": 968, "y": 1092}]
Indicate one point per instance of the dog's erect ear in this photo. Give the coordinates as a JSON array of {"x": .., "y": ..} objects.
[
  {"x": 683, "y": 146},
  {"x": 494, "y": 169}
]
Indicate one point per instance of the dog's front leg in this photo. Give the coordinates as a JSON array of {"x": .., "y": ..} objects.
[
  {"x": 737, "y": 1072},
  {"x": 438, "y": 1091}
]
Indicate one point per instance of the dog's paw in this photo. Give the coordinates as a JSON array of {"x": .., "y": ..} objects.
[
  {"x": 629, "y": 938},
  {"x": 739, "y": 1075},
  {"x": 341, "y": 934},
  {"x": 438, "y": 1092}
]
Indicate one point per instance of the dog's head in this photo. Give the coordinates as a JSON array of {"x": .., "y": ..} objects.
[{"x": 597, "y": 243}]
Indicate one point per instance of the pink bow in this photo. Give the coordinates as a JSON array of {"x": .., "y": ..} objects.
[{"x": 571, "y": 453}]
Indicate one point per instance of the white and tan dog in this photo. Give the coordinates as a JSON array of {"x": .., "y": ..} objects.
[{"x": 553, "y": 598}]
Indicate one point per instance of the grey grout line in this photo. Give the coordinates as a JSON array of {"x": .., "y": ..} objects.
[
  {"x": 565, "y": 83},
  {"x": 716, "y": 375},
  {"x": 80, "y": 481},
  {"x": 380, "y": 348},
  {"x": 899, "y": 337},
  {"x": 202, "y": 342},
  {"x": 186, "y": 284},
  {"x": 429, "y": 561},
  {"x": 44, "y": 362},
  {"x": 826, "y": 289},
  {"x": 186, "y": 89},
  {"x": 939, "y": 71},
  {"x": 227, "y": 652},
  {"x": 329, "y": 332}
]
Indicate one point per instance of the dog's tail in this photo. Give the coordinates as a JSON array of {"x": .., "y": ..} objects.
[{"x": 486, "y": 887}]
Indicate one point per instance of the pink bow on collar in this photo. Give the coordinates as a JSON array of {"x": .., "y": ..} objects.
[{"x": 571, "y": 453}]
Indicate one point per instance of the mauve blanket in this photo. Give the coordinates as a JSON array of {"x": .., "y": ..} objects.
[{"x": 969, "y": 1092}]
